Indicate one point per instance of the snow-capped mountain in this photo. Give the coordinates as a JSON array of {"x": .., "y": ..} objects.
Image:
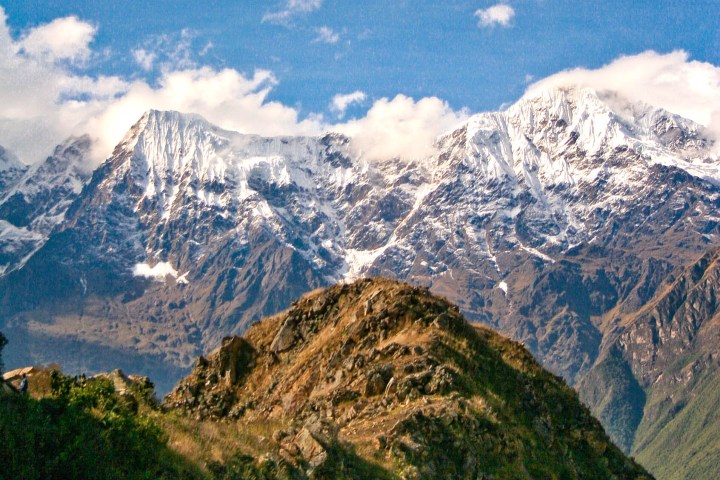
[
  {"x": 34, "y": 199},
  {"x": 549, "y": 221},
  {"x": 11, "y": 169}
]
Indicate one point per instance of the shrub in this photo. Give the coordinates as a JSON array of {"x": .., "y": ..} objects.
[{"x": 84, "y": 430}]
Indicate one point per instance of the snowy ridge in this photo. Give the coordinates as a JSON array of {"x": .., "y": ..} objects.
[
  {"x": 541, "y": 177},
  {"x": 36, "y": 201},
  {"x": 531, "y": 166}
]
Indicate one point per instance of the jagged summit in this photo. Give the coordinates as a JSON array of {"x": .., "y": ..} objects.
[
  {"x": 399, "y": 375},
  {"x": 558, "y": 136},
  {"x": 578, "y": 105}
]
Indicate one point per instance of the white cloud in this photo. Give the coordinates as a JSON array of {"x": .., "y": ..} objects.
[
  {"x": 144, "y": 58},
  {"x": 65, "y": 38},
  {"x": 292, "y": 8},
  {"x": 158, "y": 272},
  {"x": 43, "y": 102},
  {"x": 169, "y": 51},
  {"x": 326, "y": 35},
  {"x": 401, "y": 127},
  {"x": 340, "y": 102},
  {"x": 37, "y": 110},
  {"x": 208, "y": 46},
  {"x": 499, "y": 14},
  {"x": 671, "y": 81}
]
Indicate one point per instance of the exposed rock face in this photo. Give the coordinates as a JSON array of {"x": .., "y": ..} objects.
[
  {"x": 409, "y": 380},
  {"x": 206, "y": 390},
  {"x": 33, "y": 200},
  {"x": 675, "y": 322},
  {"x": 660, "y": 365}
]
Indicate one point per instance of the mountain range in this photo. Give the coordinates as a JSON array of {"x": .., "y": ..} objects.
[{"x": 580, "y": 224}]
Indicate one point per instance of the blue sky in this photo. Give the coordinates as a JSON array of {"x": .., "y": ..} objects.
[
  {"x": 418, "y": 48},
  {"x": 316, "y": 49}
]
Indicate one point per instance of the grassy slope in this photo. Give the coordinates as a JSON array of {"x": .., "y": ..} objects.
[
  {"x": 688, "y": 445},
  {"x": 575, "y": 431},
  {"x": 506, "y": 416},
  {"x": 84, "y": 431},
  {"x": 615, "y": 398}
]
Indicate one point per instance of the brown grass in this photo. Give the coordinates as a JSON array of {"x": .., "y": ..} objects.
[{"x": 203, "y": 441}]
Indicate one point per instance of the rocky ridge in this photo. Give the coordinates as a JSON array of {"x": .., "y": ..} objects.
[{"x": 392, "y": 373}]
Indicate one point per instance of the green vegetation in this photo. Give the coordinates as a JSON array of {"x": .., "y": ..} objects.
[
  {"x": 244, "y": 467},
  {"x": 687, "y": 445},
  {"x": 343, "y": 464},
  {"x": 530, "y": 421},
  {"x": 83, "y": 430},
  {"x": 615, "y": 397},
  {"x": 3, "y": 342}
]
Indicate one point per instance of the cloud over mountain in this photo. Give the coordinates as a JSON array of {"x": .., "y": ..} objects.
[
  {"x": 672, "y": 81},
  {"x": 401, "y": 127}
]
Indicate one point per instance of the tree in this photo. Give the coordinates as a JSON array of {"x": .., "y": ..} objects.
[{"x": 3, "y": 342}]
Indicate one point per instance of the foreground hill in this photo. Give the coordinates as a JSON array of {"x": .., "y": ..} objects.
[{"x": 395, "y": 376}]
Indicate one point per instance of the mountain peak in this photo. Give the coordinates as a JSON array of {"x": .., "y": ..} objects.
[
  {"x": 575, "y": 105},
  {"x": 159, "y": 117},
  {"x": 11, "y": 169}
]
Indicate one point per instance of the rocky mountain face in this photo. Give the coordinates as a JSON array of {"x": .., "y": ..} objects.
[
  {"x": 394, "y": 374},
  {"x": 33, "y": 200},
  {"x": 11, "y": 169},
  {"x": 554, "y": 222},
  {"x": 655, "y": 384}
]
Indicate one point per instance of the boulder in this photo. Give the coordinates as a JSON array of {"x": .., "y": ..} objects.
[
  {"x": 310, "y": 449},
  {"x": 285, "y": 338}
]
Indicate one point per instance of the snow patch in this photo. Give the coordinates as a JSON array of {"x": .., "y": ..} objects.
[
  {"x": 503, "y": 286},
  {"x": 357, "y": 260},
  {"x": 537, "y": 253}
]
